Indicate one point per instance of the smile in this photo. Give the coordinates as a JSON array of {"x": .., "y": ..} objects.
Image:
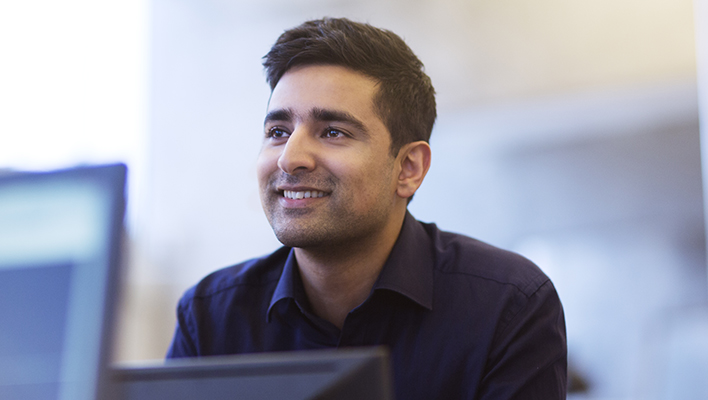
[{"x": 291, "y": 194}]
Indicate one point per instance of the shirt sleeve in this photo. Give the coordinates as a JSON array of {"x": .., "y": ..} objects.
[
  {"x": 183, "y": 341},
  {"x": 529, "y": 355}
]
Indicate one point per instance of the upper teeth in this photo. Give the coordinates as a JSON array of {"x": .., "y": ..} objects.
[{"x": 290, "y": 194}]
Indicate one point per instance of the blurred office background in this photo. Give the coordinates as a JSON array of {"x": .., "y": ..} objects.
[{"x": 568, "y": 131}]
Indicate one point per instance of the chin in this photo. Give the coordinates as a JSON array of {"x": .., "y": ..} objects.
[
  {"x": 304, "y": 238},
  {"x": 293, "y": 240}
]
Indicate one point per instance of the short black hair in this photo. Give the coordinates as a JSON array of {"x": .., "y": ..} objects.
[{"x": 405, "y": 101}]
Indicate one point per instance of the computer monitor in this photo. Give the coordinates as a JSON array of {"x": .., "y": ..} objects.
[
  {"x": 60, "y": 244},
  {"x": 342, "y": 374}
]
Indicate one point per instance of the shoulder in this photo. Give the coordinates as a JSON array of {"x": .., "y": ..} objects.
[
  {"x": 462, "y": 255},
  {"x": 254, "y": 273}
]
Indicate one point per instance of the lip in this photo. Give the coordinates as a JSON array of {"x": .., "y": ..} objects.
[
  {"x": 295, "y": 188},
  {"x": 300, "y": 196}
]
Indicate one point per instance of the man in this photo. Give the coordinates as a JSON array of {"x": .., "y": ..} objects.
[{"x": 345, "y": 148}]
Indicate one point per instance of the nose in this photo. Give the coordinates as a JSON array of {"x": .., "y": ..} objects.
[{"x": 298, "y": 153}]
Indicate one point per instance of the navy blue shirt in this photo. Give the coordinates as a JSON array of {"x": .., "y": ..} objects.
[{"x": 462, "y": 319}]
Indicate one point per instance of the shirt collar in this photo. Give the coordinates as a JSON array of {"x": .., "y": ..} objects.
[
  {"x": 408, "y": 270},
  {"x": 289, "y": 285}
]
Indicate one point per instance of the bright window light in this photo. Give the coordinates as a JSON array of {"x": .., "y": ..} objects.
[{"x": 73, "y": 84}]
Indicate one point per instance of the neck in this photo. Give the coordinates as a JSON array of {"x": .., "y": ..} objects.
[{"x": 337, "y": 279}]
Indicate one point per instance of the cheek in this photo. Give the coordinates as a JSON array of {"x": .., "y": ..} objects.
[
  {"x": 374, "y": 181},
  {"x": 266, "y": 163}
]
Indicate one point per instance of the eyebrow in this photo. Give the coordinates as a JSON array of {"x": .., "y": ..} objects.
[
  {"x": 279, "y": 115},
  {"x": 319, "y": 114}
]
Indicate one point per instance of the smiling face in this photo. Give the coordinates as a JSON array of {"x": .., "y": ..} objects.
[{"x": 325, "y": 170}]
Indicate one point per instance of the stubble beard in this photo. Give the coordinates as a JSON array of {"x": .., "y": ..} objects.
[{"x": 328, "y": 227}]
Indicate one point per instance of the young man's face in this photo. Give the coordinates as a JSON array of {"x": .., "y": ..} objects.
[{"x": 325, "y": 170}]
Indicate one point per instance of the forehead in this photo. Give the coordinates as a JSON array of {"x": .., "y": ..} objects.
[{"x": 327, "y": 87}]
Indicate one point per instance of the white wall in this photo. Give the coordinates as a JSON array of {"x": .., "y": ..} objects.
[{"x": 567, "y": 131}]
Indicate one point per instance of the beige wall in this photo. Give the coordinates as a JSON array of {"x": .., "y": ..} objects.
[{"x": 502, "y": 50}]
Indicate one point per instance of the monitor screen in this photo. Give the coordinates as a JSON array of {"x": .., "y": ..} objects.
[
  {"x": 355, "y": 373},
  {"x": 59, "y": 257}
]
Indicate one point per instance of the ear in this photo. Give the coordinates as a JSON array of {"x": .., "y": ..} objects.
[{"x": 414, "y": 161}]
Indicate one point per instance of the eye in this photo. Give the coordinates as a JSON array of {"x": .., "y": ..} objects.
[
  {"x": 333, "y": 133},
  {"x": 276, "y": 133}
]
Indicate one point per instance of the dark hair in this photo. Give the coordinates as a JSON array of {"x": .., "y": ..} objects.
[{"x": 405, "y": 101}]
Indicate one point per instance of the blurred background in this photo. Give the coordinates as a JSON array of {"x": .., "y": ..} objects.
[{"x": 568, "y": 131}]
